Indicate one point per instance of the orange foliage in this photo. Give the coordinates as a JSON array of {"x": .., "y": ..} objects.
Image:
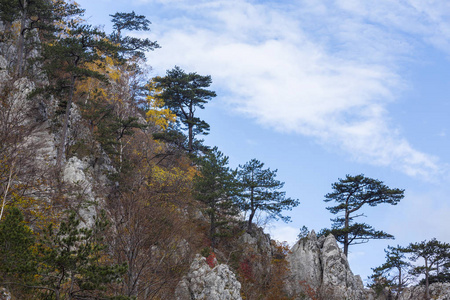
[{"x": 211, "y": 260}]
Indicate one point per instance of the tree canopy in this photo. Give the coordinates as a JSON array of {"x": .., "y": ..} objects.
[
  {"x": 393, "y": 273},
  {"x": 351, "y": 194},
  {"x": 435, "y": 256},
  {"x": 183, "y": 93},
  {"x": 216, "y": 186},
  {"x": 261, "y": 192},
  {"x": 128, "y": 44},
  {"x": 63, "y": 263}
]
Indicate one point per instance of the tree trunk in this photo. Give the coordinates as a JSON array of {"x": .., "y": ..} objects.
[
  {"x": 427, "y": 284},
  {"x": 190, "y": 127},
  {"x": 346, "y": 243},
  {"x": 400, "y": 284},
  {"x": 252, "y": 209},
  {"x": 57, "y": 297},
  {"x": 21, "y": 41},
  {"x": 120, "y": 154},
  {"x": 212, "y": 231},
  {"x": 62, "y": 145},
  {"x": 250, "y": 220},
  {"x": 11, "y": 168},
  {"x": 190, "y": 138}
]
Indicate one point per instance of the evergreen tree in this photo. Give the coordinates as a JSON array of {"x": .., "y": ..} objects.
[
  {"x": 395, "y": 261},
  {"x": 71, "y": 259},
  {"x": 44, "y": 15},
  {"x": 17, "y": 259},
  {"x": 435, "y": 256},
  {"x": 216, "y": 187},
  {"x": 131, "y": 51},
  {"x": 183, "y": 93},
  {"x": 131, "y": 45},
  {"x": 66, "y": 63},
  {"x": 261, "y": 192},
  {"x": 304, "y": 231},
  {"x": 351, "y": 194},
  {"x": 67, "y": 263}
]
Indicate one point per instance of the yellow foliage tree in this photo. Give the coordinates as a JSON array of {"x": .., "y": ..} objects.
[{"x": 156, "y": 113}]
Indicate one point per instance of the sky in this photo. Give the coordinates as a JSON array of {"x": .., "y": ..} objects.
[{"x": 319, "y": 89}]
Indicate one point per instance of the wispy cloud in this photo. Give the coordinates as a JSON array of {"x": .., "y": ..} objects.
[
  {"x": 284, "y": 233},
  {"x": 325, "y": 71}
]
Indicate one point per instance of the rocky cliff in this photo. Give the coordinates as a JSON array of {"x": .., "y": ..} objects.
[
  {"x": 212, "y": 282},
  {"x": 438, "y": 291},
  {"x": 319, "y": 268}
]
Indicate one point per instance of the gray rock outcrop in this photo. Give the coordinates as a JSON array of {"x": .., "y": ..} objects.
[
  {"x": 438, "y": 291},
  {"x": 76, "y": 173},
  {"x": 4, "y": 294},
  {"x": 320, "y": 266},
  {"x": 320, "y": 270},
  {"x": 305, "y": 264},
  {"x": 206, "y": 283}
]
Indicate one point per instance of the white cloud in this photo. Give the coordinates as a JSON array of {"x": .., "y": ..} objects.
[
  {"x": 425, "y": 19},
  {"x": 284, "y": 233},
  {"x": 332, "y": 80}
]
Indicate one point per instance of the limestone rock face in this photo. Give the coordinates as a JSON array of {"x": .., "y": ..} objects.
[
  {"x": 337, "y": 276},
  {"x": 75, "y": 173},
  {"x": 206, "y": 283},
  {"x": 3, "y": 69},
  {"x": 305, "y": 263},
  {"x": 4, "y": 294},
  {"x": 257, "y": 243},
  {"x": 321, "y": 266},
  {"x": 438, "y": 291}
]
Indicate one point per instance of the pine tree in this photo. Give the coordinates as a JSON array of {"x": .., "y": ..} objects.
[
  {"x": 131, "y": 45},
  {"x": 183, "y": 93},
  {"x": 351, "y": 194},
  {"x": 261, "y": 192},
  {"x": 66, "y": 62},
  {"x": 43, "y": 15},
  {"x": 63, "y": 263},
  {"x": 434, "y": 254},
  {"x": 216, "y": 187},
  {"x": 17, "y": 259},
  {"x": 71, "y": 260},
  {"x": 382, "y": 276}
]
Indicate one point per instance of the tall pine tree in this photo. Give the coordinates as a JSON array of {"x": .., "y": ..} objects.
[
  {"x": 216, "y": 187},
  {"x": 351, "y": 194},
  {"x": 65, "y": 61},
  {"x": 131, "y": 45},
  {"x": 435, "y": 256},
  {"x": 184, "y": 93},
  {"x": 261, "y": 192}
]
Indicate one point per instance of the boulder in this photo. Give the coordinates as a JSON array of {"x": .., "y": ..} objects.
[
  {"x": 206, "y": 283},
  {"x": 319, "y": 268},
  {"x": 305, "y": 263}
]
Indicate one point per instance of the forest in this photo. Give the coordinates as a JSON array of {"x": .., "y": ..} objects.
[{"x": 108, "y": 191}]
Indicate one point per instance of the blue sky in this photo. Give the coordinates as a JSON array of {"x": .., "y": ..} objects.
[{"x": 319, "y": 89}]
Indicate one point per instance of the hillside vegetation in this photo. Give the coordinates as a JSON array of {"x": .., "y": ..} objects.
[{"x": 107, "y": 190}]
